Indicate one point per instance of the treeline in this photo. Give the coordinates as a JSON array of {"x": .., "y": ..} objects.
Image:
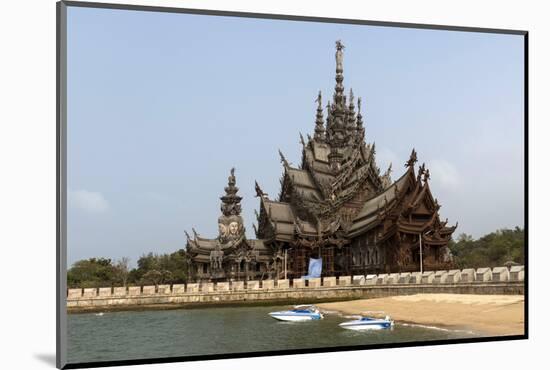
[
  {"x": 151, "y": 269},
  {"x": 495, "y": 249},
  {"x": 498, "y": 248}
]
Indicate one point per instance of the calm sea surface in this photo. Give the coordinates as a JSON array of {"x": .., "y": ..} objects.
[{"x": 186, "y": 332}]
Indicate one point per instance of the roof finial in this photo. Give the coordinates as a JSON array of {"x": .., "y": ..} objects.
[
  {"x": 412, "y": 159},
  {"x": 283, "y": 159},
  {"x": 386, "y": 178},
  {"x": 259, "y": 191},
  {"x": 231, "y": 179},
  {"x": 339, "y": 57}
]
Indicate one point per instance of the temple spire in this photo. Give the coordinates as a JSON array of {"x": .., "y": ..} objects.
[
  {"x": 231, "y": 202},
  {"x": 339, "y": 88},
  {"x": 351, "y": 119},
  {"x": 359, "y": 127},
  {"x": 338, "y": 125},
  {"x": 319, "y": 122},
  {"x": 329, "y": 122}
]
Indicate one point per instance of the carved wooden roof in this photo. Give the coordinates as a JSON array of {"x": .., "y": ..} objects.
[{"x": 338, "y": 192}]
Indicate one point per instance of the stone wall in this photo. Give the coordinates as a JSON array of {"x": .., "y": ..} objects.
[{"x": 498, "y": 280}]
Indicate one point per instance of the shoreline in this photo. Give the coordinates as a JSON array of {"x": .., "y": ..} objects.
[
  {"x": 487, "y": 315},
  {"x": 107, "y": 300},
  {"x": 200, "y": 305}
]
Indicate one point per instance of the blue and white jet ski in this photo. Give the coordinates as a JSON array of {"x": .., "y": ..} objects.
[
  {"x": 299, "y": 313},
  {"x": 366, "y": 323}
]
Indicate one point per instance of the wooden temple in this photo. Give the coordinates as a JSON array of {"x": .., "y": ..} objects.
[{"x": 337, "y": 205}]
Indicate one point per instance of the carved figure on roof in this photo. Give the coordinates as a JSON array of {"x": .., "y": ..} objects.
[
  {"x": 231, "y": 229},
  {"x": 421, "y": 170},
  {"x": 447, "y": 255},
  {"x": 216, "y": 259},
  {"x": 234, "y": 228},
  {"x": 222, "y": 229},
  {"x": 231, "y": 179},
  {"x": 426, "y": 175}
]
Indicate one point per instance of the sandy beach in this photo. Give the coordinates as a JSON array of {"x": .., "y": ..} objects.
[{"x": 483, "y": 314}]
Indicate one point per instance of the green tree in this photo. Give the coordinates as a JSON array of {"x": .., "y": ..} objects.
[
  {"x": 122, "y": 270},
  {"x": 171, "y": 267},
  {"x": 93, "y": 272},
  {"x": 494, "y": 249}
]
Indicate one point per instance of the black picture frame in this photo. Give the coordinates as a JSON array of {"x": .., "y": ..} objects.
[{"x": 61, "y": 217}]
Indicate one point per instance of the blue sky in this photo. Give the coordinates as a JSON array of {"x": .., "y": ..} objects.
[{"x": 161, "y": 106}]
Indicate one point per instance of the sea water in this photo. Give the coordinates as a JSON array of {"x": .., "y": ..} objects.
[{"x": 205, "y": 331}]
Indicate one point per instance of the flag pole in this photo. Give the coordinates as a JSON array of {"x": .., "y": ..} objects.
[
  {"x": 420, "y": 253},
  {"x": 285, "y": 264}
]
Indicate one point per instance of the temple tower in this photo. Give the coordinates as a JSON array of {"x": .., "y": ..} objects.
[
  {"x": 230, "y": 223},
  {"x": 337, "y": 127}
]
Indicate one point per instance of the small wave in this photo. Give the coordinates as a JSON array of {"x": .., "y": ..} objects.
[
  {"x": 431, "y": 327},
  {"x": 357, "y": 317},
  {"x": 330, "y": 312}
]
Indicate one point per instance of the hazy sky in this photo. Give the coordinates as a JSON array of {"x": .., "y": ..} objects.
[{"x": 161, "y": 106}]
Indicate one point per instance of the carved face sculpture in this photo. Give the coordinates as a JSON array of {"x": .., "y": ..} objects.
[
  {"x": 233, "y": 228},
  {"x": 222, "y": 230}
]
